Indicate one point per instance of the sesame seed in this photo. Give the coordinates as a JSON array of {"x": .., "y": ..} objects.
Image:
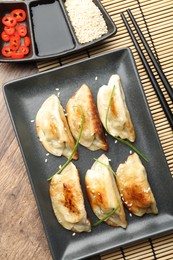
[
  {"x": 60, "y": 166},
  {"x": 96, "y": 78},
  {"x": 86, "y": 19},
  {"x": 73, "y": 234},
  {"x": 46, "y": 160},
  {"x": 47, "y": 154},
  {"x": 115, "y": 141},
  {"x": 131, "y": 152},
  {"x": 32, "y": 121},
  {"x": 147, "y": 190}
]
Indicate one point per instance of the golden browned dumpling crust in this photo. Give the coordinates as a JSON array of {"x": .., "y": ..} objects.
[
  {"x": 53, "y": 130},
  {"x": 67, "y": 200},
  {"x": 103, "y": 193},
  {"x": 117, "y": 121},
  {"x": 92, "y": 135},
  {"x": 134, "y": 188}
]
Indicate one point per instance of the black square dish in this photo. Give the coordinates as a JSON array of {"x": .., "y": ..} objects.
[
  {"x": 24, "y": 98},
  {"x": 49, "y": 28}
]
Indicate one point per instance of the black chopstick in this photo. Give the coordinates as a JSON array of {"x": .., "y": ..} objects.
[
  {"x": 152, "y": 57},
  {"x": 159, "y": 93}
]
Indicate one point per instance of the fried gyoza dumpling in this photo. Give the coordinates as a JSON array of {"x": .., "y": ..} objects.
[
  {"x": 134, "y": 188},
  {"x": 103, "y": 193},
  {"x": 67, "y": 200},
  {"x": 92, "y": 135},
  {"x": 117, "y": 121},
  {"x": 53, "y": 130}
]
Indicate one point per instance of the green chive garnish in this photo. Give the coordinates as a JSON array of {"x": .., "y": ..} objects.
[
  {"x": 118, "y": 138},
  {"x": 107, "y": 216},
  {"x": 132, "y": 147},
  {"x": 74, "y": 150},
  {"x": 106, "y": 165}
]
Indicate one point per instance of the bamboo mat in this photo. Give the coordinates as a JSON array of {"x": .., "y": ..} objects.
[{"x": 155, "y": 18}]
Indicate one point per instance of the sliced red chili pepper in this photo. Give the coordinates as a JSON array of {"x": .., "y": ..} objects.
[
  {"x": 7, "y": 51},
  {"x": 5, "y": 37},
  {"x": 16, "y": 34},
  {"x": 15, "y": 42},
  {"x": 22, "y": 30},
  {"x": 19, "y": 14},
  {"x": 27, "y": 41},
  {"x": 9, "y": 30},
  {"x": 17, "y": 55},
  {"x": 24, "y": 49},
  {"x": 9, "y": 21},
  {"x": 17, "y": 25}
]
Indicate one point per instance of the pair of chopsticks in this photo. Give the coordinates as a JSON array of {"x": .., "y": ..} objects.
[{"x": 161, "y": 74}]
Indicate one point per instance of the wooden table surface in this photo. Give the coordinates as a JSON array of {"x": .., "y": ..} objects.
[{"x": 21, "y": 232}]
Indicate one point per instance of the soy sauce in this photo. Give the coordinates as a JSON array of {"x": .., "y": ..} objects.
[{"x": 51, "y": 32}]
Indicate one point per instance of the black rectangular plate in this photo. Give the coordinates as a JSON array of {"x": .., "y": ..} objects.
[
  {"x": 50, "y": 29},
  {"x": 24, "y": 98}
]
